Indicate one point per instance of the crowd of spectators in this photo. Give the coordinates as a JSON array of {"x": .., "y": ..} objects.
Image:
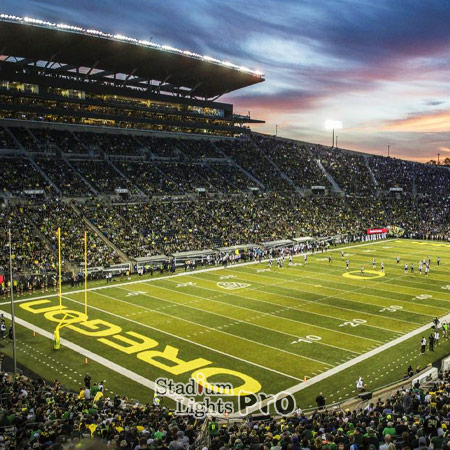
[
  {"x": 26, "y": 139},
  {"x": 63, "y": 176},
  {"x": 349, "y": 170},
  {"x": 166, "y": 226},
  {"x": 111, "y": 144},
  {"x": 30, "y": 251},
  {"x": 247, "y": 155},
  {"x": 392, "y": 173},
  {"x": 102, "y": 176},
  {"x": 6, "y": 141},
  {"x": 18, "y": 175},
  {"x": 413, "y": 417},
  {"x": 39, "y": 415},
  {"x": 295, "y": 160},
  {"x": 48, "y": 216},
  {"x": 170, "y": 221}
]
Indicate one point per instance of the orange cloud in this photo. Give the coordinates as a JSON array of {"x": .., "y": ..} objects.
[{"x": 424, "y": 123}]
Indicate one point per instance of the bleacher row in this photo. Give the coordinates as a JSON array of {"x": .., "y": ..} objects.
[{"x": 80, "y": 164}]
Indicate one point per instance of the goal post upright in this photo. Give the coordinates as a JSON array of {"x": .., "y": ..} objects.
[
  {"x": 59, "y": 267},
  {"x": 85, "y": 274}
]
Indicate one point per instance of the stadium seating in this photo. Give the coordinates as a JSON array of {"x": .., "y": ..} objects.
[{"x": 173, "y": 217}]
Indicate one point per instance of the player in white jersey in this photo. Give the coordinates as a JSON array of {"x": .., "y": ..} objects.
[
  {"x": 382, "y": 266},
  {"x": 406, "y": 268},
  {"x": 362, "y": 270},
  {"x": 412, "y": 267},
  {"x": 305, "y": 258},
  {"x": 270, "y": 260},
  {"x": 347, "y": 264},
  {"x": 342, "y": 253},
  {"x": 420, "y": 267},
  {"x": 426, "y": 270},
  {"x": 374, "y": 264},
  {"x": 398, "y": 259},
  {"x": 290, "y": 259}
]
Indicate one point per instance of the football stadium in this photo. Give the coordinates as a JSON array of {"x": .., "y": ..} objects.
[{"x": 171, "y": 278}]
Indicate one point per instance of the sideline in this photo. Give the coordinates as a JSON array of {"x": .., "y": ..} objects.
[
  {"x": 300, "y": 386},
  {"x": 101, "y": 360},
  {"x": 187, "y": 273}
]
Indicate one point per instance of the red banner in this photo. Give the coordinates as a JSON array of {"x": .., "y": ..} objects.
[{"x": 377, "y": 230}]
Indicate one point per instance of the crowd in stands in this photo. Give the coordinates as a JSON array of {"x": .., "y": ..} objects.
[
  {"x": 349, "y": 170},
  {"x": 30, "y": 251},
  {"x": 6, "y": 141},
  {"x": 412, "y": 418},
  {"x": 392, "y": 173},
  {"x": 48, "y": 216},
  {"x": 19, "y": 174},
  {"x": 166, "y": 220},
  {"x": 35, "y": 414},
  {"x": 102, "y": 176},
  {"x": 295, "y": 160},
  {"x": 248, "y": 156},
  {"x": 25, "y": 138},
  {"x": 112, "y": 144},
  {"x": 64, "y": 177}
]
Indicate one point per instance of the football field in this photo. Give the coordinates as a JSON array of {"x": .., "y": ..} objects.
[{"x": 303, "y": 328}]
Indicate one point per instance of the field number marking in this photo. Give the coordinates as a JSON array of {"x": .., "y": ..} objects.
[
  {"x": 391, "y": 308},
  {"x": 353, "y": 323},
  {"x": 232, "y": 285},
  {"x": 309, "y": 339},
  {"x": 422, "y": 297}
]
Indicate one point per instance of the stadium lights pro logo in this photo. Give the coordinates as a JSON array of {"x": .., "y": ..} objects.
[{"x": 216, "y": 400}]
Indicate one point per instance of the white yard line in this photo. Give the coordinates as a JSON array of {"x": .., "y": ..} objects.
[
  {"x": 335, "y": 370},
  {"x": 208, "y": 269},
  {"x": 206, "y": 326},
  {"x": 99, "y": 359},
  {"x": 268, "y": 314},
  {"x": 184, "y": 339}
]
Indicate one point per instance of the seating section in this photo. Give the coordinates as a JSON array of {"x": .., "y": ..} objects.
[
  {"x": 63, "y": 176},
  {"x": 6, "y": 141},
  {"x": 393, "y": 173},
  {"x": 349, "y": 170},
  {"x": 19, "y": 174},
  {"x": 166, "y": 210},
  {"x": 251, "y": 159},
  {"x": 295, "y": 160}
]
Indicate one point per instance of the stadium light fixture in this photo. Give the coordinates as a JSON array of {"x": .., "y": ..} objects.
[{"x": 333, "y": 125}]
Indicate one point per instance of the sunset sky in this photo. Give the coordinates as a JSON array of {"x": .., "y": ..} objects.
[{"x": 382, "y": 67}]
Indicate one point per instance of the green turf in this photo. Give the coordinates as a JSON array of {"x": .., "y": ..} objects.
[{"x": 255, "y": 329}]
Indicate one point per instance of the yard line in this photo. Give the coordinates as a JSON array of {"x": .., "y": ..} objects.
[
  {"x": 184, "y": 339},
  {"x": 319, "y": 299},
  {"x": 269, "y": 314},
  {"x": 180, "y": 274},
  {"x": 340, "y": 368},
  {"x": 206, "y": 326},
  {"x": 220, "y": 315},
  {"x": 343, "y": 292},
  {"x": 98, "y": 359}
]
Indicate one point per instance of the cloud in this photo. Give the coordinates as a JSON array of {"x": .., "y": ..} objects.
[
  {"x": 438, "y": 121},
  {"x": 381, "y": 66}
]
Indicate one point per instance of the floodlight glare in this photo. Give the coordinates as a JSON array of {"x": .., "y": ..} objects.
[{"x": 333, "y": 124}]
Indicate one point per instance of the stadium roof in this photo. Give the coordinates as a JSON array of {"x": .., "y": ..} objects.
[{"x": 138, "y": 61}]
